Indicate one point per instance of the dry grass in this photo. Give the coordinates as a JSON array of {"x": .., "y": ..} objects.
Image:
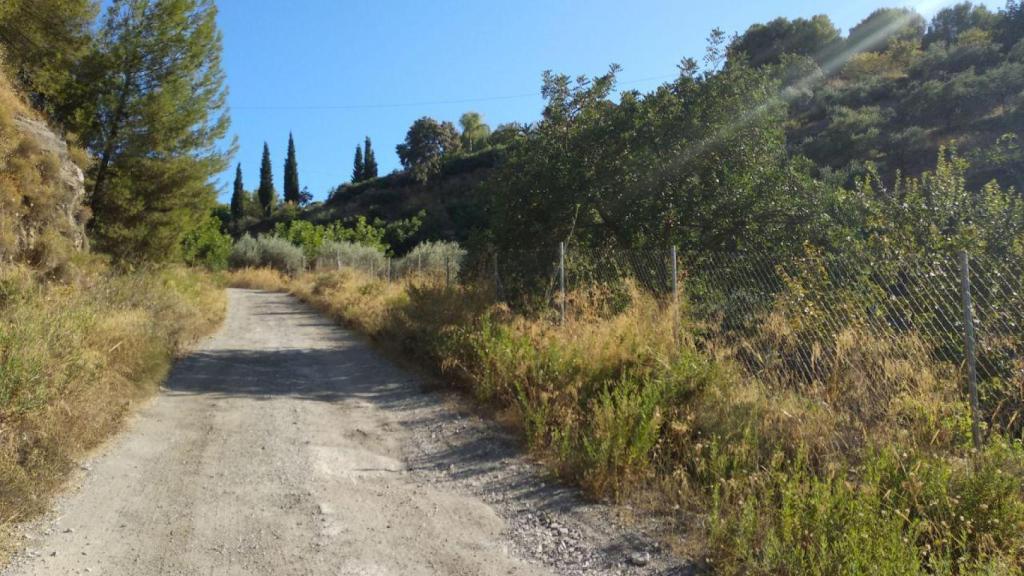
[
  {"x": 75, "y": 358},
  {"x": 259, "y": 279}
]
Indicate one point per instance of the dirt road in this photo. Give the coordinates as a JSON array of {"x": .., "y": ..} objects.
[{"x": 285, "y": 445}]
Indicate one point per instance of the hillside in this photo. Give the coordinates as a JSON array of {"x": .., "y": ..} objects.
[
  {"x": 452, "y": 203},
  {"x": 897, "y": 88},
  {"x": 42, "y": 189}
]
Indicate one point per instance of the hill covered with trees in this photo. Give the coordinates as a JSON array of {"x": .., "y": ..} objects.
[{"x": 762, "y": 143}]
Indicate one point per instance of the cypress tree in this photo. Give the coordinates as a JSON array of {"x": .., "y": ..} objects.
[
  {"x": 369, "y": 161},
  {"x": 358, "y": 167},
  {"x": 266, "y": 193},
  {"x": 291, "y": 174},
  {"x": 238, "y": 196}
]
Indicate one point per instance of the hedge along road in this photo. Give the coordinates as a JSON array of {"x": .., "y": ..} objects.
[{"x": 286, "y": 445}]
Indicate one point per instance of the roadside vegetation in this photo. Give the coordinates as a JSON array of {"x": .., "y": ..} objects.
[{"x": 76, "y": 357}]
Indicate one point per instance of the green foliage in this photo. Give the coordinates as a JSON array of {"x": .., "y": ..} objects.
[
  {"x": 426, "y": 144},
  {"x": 270, "y": 251},
  {"x": 266, "y": 193},
  {"x": 902, "y": 513},
  {"x": 238, "y": 196},
  {"x": 43, "y": 41},
  {"x": 281, "y": 255},
  {"x": 335, "y": 254},
  {"x": 949, "y": 23},
  {"x": 207, "y": 245},
  {"x": 475, "y": 133},
  {"x": 310, "y": 237},
  {"x": 358, "y": 167},
  {"x": 245, "y": 253},
  {"x": 291, "y": 175},
  {"x": 156, "y": 112},
  {"x": 432, "y": 257},
  {"x": 895, "y": 94},
  {"x": 767, "y": 43},
  {"x": 700, "y": 163},
  {"x": 369, "y": 160},
  {"x": 934, "y": 214},
  {"x": 885, "y": 27}
]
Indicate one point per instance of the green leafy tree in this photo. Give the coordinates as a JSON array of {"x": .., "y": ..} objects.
[
  {"x": 44, "y": 42},
  {"x": 358, "y": 167},
  {"x": 508, "y": 134},
  {"x": 266, "y": 193},
  {"x": 160, "y": 110},
  {"x": 291, "y": 174},
  {"x": 474, "y": 131},
  {"x": 1010, "y": 29},
  {"x": 369, "y": 160},
  {"x": 700, "y": 163},
  {"x": 238, "y": 196},
  {"x": 426, "y": 144},
  {"x": 207, "y": 245},
  {"x": 766, "y": 43},
  {"x": 949, "y": 23},
  {"x": 885, "y": 26}
]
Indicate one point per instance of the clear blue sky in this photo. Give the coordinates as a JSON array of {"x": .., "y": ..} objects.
[{"x": 334, "y": 71}]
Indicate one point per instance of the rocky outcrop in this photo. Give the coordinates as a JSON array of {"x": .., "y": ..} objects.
[{"x": 68, "y": 182}]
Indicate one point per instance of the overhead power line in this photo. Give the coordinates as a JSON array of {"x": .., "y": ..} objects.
[{"x": 425, "y": 102}]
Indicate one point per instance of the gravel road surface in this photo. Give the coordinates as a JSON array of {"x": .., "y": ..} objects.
[{"x": 285, "y": 445}]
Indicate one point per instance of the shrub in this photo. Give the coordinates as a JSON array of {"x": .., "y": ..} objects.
[
  {"x": 270, "y": 251},
  {"x": 207, "y": 246},
  {"x": 431, "y": 258},
  {"x": 281, "y": 255},
  {"x": 73, "y": 359},
  {"x": 335, "y": 255},
  {"x": 245, "y": 253}
]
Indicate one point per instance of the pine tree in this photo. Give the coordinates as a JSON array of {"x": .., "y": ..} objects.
[
  {"x": 358, "y": 167},
  {"x": 160, "y": 111},
  {"x": 266, "y": 193},
  {"x": 238, "y": 196},
  {"x": 369, "y": 162},
  {"x": 291, "y": 174}
]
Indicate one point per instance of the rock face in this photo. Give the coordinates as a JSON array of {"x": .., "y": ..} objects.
[{"x": 69, "y": 184}]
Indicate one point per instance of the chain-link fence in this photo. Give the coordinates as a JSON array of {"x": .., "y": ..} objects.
[
  {"x": 431, "y": 261},
  {"x": 810, "y": 320}
]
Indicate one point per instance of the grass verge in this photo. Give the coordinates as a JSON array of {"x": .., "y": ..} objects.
[
  {"x": 75, "y": 357},
  {"x": 871, "y": 471}
]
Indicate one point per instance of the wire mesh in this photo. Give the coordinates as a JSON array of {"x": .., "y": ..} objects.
[
  {"x": 812, "y": 320},
  {"x": 431, "y": 262}
]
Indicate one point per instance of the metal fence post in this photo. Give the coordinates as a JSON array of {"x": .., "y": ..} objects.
[
  {"x": 675, "y": 296},
  {"x": 972, "y": 374},
  {"x": 497, "y": 278},
  {"x": 447, "y": 271},
  {"x": 561, "y": 281},
  {"x": 388, "y": 269}
]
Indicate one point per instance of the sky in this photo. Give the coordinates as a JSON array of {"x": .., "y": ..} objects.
[{"x": 334, "y": 71}]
